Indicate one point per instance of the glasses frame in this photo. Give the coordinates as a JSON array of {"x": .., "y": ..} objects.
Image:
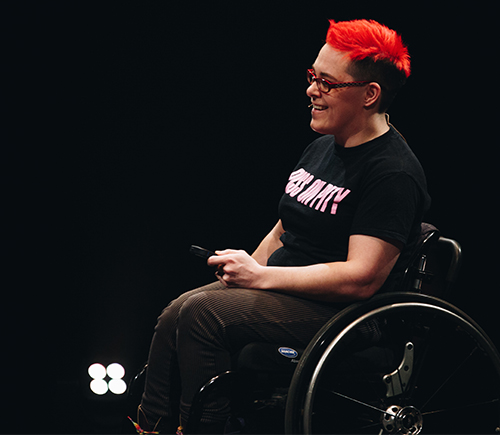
[{"x": 325, "y": 84}]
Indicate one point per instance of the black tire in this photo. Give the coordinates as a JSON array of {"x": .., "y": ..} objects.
[{"x": 341, "y": 384}]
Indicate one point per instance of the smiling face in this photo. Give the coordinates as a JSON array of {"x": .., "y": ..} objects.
[{"x": 338, "y": 111}]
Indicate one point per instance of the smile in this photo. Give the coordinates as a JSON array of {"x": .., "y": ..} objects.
[{"x": 319, "y": 107}]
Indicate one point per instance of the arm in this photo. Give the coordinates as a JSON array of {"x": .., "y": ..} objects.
[
  {"x": 368, "y": 265},
  {"x": 269, "y": 244}
]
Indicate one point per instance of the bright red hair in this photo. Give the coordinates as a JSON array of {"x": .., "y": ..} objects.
[{"x": 363, "y": 39}]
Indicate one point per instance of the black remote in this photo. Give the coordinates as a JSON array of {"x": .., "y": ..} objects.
[{"x": 201, "y": 252}]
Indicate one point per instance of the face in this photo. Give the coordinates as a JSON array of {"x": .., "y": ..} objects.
[{"x": 336, "y": 111}]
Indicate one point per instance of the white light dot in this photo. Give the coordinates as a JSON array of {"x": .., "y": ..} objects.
[
  {"x": 97, "y": 371},
  {"x": 117, "y": 386},
  {"x": 99, "y": 386},
  {"x": 115, "y": 371}
]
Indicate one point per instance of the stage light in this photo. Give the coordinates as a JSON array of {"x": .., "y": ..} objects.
[
  {"x": 117, "y": 386},
  {"x": 97, "y": 371},
  {"x": 104, "y": 379},
  {"x": 99, "y": 386},
  {"x": 115, "y": 371}
]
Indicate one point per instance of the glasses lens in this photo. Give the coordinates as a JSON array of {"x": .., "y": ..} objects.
[
  {"x": 323, "y": 86},
  {"x": 310, "y": 77}
]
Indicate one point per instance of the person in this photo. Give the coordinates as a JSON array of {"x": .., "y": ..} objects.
[{"x": 348, "y": 219}]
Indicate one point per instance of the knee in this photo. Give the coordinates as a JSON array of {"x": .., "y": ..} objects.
[
  {"x": 193, "y": 309},
  {"x": 168, "y": 318},
  {"x": 199, "y": 314},
  {"x": 187, "y": 303}
]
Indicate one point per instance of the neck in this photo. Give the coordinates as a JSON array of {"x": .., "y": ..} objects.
[{"x": 363, "y": 132}]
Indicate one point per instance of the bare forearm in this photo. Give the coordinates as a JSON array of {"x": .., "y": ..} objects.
[
  {"x": 329, "y": 282},
  {"x": 332, "y": 282},
  {"x": 368, "y": 264}
]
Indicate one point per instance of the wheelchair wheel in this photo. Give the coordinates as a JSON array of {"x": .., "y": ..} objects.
[{"x": 399, "y": 363}]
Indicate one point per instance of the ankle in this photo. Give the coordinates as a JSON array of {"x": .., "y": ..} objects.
[{"x": 149, "y": 424}]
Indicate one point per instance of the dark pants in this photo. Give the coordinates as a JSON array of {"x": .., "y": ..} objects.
[{"x": 199, "y": 331}]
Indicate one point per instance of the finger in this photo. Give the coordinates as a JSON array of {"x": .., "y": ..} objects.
[
  {"x": 226, "y": 252},
  {"x": 215, "y": 260},
  {"x": 220, "y": 270},
  {"x": 219, "y": 277}
]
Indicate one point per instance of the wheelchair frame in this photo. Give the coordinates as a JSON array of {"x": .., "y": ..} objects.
[
  {"x": 399, "y": 384},
  {"x": 398, "y": 414}
]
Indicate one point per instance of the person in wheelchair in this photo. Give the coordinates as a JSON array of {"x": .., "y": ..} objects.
[{"x": 348, "y": 219}]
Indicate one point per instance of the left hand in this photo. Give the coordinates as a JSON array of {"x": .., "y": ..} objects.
[{"x": 236, "y": 268}]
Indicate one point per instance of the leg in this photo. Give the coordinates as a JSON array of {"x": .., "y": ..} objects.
[
  {"x": 162, "y": 379},
  {"x": 215, "y": 324}
]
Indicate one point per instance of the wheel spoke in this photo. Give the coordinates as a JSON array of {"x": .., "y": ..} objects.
[
  {"x": 359, "y": 402},
  {"x": 459, "y": 408},
  {"x": 448, "y": 378},
  {"x": 345, "y": 389}
]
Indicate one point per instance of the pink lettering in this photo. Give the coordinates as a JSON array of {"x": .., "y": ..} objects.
[
  {"x": 296, "y": 174},
  {"x": 298, "y": 181},
  {"x": 311, "y": 191},
  {"x": 341, "y": 194},
  {"x": 324, "y": 196},
  {"x": 318, "y": 194}
]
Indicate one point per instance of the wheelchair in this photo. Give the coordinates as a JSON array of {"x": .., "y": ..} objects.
[{"x": 428, "y": 367}]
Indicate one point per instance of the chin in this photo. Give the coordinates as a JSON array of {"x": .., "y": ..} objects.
[{"x": 321, "y": 129}]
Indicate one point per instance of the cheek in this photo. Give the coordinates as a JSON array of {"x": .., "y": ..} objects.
[
  {"x": 331, "y": 120},
  {"x": 329, "y": 117}
]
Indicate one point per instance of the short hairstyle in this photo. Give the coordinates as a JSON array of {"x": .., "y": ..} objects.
[{"x": 377, "y": 54}]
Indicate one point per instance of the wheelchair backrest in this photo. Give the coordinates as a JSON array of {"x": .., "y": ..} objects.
[{"x": 434, "y": 265}]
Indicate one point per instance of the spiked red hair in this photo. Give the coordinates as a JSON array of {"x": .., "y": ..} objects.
[{"x": 363, "y": 39}]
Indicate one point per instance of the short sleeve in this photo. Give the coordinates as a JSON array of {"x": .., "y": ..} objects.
[{"x": 388, "y": 208}]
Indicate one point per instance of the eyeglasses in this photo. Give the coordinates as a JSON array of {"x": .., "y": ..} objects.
[{"x": 326, "y": 86}]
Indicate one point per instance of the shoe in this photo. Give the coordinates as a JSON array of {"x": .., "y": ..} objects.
[{"x": 142, "y": 426}]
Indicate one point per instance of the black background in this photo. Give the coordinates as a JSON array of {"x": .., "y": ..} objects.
[{"x": 137, "y": 129}]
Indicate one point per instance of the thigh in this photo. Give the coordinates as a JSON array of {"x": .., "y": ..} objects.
[
  {"x": 169, "y": 316},
  {"x": 238, "y": 316}
]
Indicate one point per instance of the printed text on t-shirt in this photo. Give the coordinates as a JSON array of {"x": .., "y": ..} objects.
[{"x": 319, "y": 192}]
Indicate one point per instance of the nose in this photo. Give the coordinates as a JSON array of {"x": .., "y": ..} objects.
[{"x": 313, "y": 90}]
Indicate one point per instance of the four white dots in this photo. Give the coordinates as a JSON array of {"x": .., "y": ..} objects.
[{"x": 114, "y": 371}]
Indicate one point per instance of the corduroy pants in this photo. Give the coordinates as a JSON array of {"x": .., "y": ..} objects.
[{"x": 199, "y": 331}]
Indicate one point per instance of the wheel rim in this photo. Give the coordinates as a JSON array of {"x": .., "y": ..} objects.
[{"x": 419, "y": 404}]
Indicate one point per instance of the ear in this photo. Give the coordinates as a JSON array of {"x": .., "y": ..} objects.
[{"x": 373, "y": 94}]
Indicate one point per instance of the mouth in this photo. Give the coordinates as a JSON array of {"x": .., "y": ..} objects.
[{"x": 318, "y": 107}]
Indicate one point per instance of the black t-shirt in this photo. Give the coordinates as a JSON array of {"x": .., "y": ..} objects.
[{"x": 376, "y": 189}]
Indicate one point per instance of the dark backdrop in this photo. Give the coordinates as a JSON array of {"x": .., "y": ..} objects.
[{"x": 137, "y": 129}]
